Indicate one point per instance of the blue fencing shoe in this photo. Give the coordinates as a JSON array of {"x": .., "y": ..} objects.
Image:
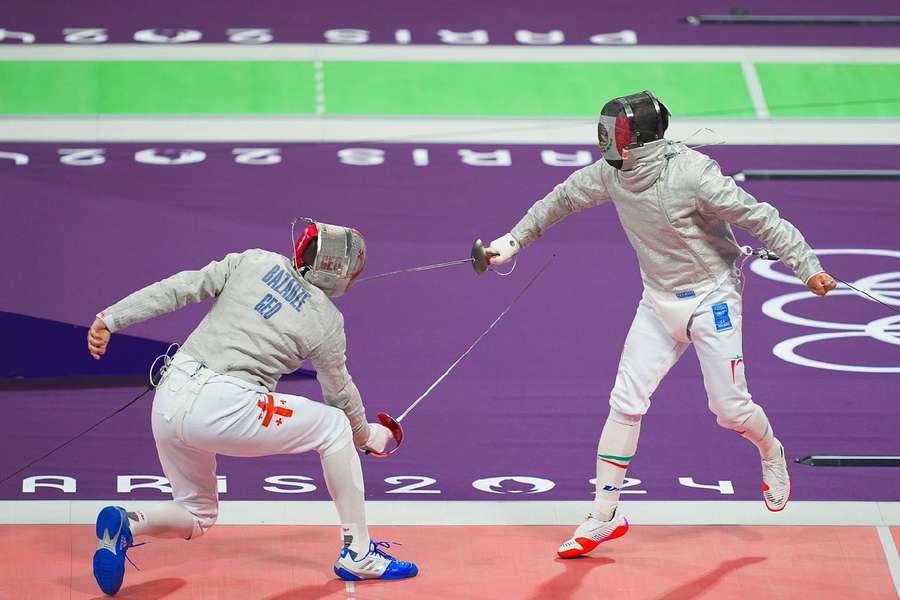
[
  {"x": 376, "y": 564},
  {"x": 113, "y": 541}
]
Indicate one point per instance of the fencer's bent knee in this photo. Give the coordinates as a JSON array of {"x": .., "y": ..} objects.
[
  {"x": 204, "y": 519},
  {"x": 341, "y": 436},
  {"x": 634, "y": 385},
  {"x": 734, "y": 414},
  {"x": 627, "y": 399},
  {"x": 201, "y": 525},
  {"x": 751, "y": 423}
]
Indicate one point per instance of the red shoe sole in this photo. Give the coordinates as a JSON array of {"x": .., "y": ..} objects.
[{"x": 587, "y": 544}]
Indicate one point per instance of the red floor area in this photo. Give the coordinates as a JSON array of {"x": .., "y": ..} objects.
[{"x": 658, "y": 563}]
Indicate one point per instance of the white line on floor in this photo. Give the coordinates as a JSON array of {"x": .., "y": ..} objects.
[
  {"x": 434, "y": 52},
  {"x": 512, "y": 512},
  {"x": 751, "y": 78},
  {"x": 464, "y": 130},
  {"x": 319, "y": 85},
  {"x": 890, "y": 553}
]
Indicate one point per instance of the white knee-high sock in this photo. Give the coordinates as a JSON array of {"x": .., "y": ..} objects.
[
  {"x": 618, "y": 443},
  {"x": 343, "y": 476},
  {"x": 758, "y": 430},
  {"x": 168, "y": 520}
]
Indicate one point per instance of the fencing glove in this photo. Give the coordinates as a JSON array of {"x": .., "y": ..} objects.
[{"x": 502, "y": 249}]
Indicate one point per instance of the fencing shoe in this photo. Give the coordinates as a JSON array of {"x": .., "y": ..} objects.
[
  {"x": 113, "y": 541},
  {"x": 376, "y": 564},
  {"x": 591, "y": 533},
  {"x": 776, "y": 486}
]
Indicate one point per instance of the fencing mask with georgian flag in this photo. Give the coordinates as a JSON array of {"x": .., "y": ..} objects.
[
  {"x": 340, "y": 255},
  {"x": 630, "y": 122}
]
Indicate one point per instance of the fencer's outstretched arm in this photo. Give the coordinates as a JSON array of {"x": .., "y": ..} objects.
[
  {"x": 720, "y": 196},
  {"x": 338, "y": 389},
  {"x": 160, "y": 298},
  {"x": 582, "y": 189},
  {"x": 171, "y": 293}
]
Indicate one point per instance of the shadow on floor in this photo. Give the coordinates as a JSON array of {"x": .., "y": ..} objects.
[
  {"x": 150, "y": 590},
  {"x": 695, "y": 588},
  {"x": 565, "y": 584},
  {"x": 312, "y": 592}
]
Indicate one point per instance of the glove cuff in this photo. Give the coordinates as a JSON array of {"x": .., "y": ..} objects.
[{"x": 508, "y": 246}]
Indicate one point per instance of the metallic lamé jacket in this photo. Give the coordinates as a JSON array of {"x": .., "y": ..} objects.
[
  {"x": 677, "y": 209},
  {"x": 264, "y": 323}
]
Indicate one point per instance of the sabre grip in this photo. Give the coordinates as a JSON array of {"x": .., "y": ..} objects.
[{"x": 396, "y": 431}]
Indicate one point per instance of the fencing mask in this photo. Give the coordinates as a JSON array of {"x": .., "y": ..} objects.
[
  {"x": 630, "y": 122},
  {"x": 339, "y": 257}
]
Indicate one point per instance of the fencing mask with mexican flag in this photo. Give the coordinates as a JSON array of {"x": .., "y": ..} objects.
[{"x": 630, "y": 122}]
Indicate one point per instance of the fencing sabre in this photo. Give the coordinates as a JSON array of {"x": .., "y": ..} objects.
[
  {"x": 394, "y": 424},
  {"x": 766, "y": 254},
  {"x": 865, "y": 293},
  {"x": 480, "y": 262},
  {"x": 479, "y": 259}
]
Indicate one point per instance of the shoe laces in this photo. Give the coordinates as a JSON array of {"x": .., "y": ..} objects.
[
  {"x": 376, "y": 549},
  {"x": 776, "y": 468},
  {"x": 128, "y": 547}
]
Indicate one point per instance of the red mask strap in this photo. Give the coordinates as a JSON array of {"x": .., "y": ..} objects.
[
  {"x": 624, "y": 134},
  {"x": 309, "y": 234}
]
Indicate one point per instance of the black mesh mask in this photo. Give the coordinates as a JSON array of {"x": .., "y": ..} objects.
[{"x": 630, "y": 122}]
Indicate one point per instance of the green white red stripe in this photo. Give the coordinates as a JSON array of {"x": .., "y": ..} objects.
[{"x": 616, "y": 461}]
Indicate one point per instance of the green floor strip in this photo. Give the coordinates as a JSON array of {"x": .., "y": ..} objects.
[
  {"x": 820, "y": 90},
  {"x": 468, "y": 89},
  {"x": 156, "y": 87},
  {"x": 528, "y": 89}
]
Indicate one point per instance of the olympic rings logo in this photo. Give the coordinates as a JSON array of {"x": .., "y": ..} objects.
[{"x": 884, "y": 286}]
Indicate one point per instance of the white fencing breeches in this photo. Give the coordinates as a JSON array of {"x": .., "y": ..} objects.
[
  {"x": 653, "y": 346},
  {"x": 198, "y": 413}
]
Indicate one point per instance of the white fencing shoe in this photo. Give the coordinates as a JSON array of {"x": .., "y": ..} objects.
[
  {"x": 591, "y": 533},
  {"x": 776, "y": 486}
]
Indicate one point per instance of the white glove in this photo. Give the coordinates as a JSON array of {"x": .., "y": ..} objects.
[
  {"x": 379, "y": 436},
  {"x": 361, "y": 434},
  {"x": 502, "y": 250}
]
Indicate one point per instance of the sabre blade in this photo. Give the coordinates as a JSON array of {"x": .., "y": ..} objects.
[
  {"x": 867, "y": 294},
  {"x": 422, "y": 268},
  {"x": 476, "y": 342}
]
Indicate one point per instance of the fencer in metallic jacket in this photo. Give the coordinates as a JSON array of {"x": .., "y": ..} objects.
[
  {"x": 264, "y": 322},
  {"x": 677, "y": 209}
]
